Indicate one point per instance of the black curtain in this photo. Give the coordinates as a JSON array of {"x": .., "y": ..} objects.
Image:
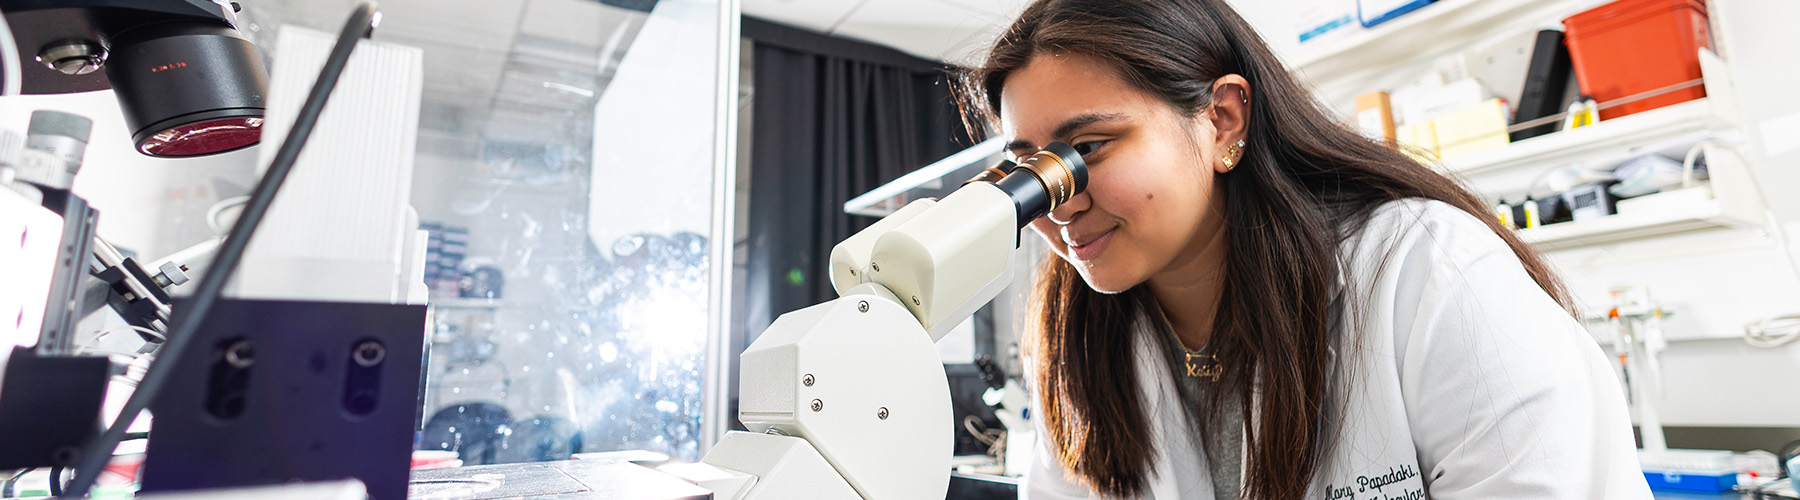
[{"x": 832, "y": 119}]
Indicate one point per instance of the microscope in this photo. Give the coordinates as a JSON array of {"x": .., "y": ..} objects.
[{"x": 848, "y": 399}]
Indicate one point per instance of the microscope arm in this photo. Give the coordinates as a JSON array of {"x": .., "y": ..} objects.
[
  {"x": 848, "y": 399},
  {"x": 844, "y": 397}
]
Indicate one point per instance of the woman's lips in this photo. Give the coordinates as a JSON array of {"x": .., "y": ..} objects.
[{"x": 1090, "y": 248}]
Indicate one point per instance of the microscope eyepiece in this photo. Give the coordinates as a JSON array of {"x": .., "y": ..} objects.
[
  {"x": 1044, "y": 181},
  {"x": 1073, "y": 170},
  {"x": 994, "y": 173}
]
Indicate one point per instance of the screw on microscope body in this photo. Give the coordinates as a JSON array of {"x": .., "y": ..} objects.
[
  {"x": 818, "y": 405},
  {"x": 881, "y": 413},
  {"x": 876, "y": 266},
  {"x": 862, "y": 306},
  {"x": 240, "y": 354},
  {"x": 915, "y": 300},
  {"x": 369, "y": 354},
  {"x": 808, "y": 380}
]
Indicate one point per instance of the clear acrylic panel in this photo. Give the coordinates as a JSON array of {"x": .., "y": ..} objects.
[{"x": 565, "y": 167}]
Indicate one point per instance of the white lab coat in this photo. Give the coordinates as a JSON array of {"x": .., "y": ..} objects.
[{"x": 1470, "y": 382}]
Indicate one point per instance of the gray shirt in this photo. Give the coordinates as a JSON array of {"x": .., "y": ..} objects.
[{"x": 1223, "y": 443}]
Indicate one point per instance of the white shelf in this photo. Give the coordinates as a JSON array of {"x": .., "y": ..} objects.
[
  {"x": 1625, "y": 227},
  {"x": 1618, "y": 137},
  {"x": 1730, "y": 200},
  {"x": 1441, "y": 26}
]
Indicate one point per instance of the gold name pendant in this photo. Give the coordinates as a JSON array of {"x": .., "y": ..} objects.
[{"x": 1208, "y": 367}]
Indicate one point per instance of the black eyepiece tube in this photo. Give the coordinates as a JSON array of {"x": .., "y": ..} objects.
[{"x": 1044, "y": 181}]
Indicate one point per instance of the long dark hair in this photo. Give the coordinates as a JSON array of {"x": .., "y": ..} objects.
[{"x": 1305, "y": 183}]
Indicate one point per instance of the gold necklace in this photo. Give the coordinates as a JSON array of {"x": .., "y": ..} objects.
[{"x": 1208, "y": 365}]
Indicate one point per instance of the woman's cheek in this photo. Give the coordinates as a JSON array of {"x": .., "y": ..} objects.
[{"x": 1051, "y": 235}]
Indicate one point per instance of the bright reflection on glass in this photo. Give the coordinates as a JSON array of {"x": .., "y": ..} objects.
[{"x": 570, "y": 302}]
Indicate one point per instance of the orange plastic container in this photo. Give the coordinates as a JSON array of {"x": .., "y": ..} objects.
[{"x": 1628, "y": 47}]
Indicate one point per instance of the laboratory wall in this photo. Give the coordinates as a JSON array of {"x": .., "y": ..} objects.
[{"x": 1713, "y": 282}]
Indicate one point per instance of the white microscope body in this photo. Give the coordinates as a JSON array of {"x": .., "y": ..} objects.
[{"x": 848, "y": 399}]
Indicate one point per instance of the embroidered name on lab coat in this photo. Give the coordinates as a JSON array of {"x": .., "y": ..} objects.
[{"x": 1371, "y": 487}]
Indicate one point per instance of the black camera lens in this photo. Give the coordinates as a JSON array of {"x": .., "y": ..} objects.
[{"x": 188, "y": 88}]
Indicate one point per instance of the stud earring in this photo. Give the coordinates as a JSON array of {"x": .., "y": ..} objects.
[{"x": 1231, "y": 154}]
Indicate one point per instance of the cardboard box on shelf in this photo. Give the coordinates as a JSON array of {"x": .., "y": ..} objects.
[
  {"x": 1374, "y": 117},
  {"x": 1472, "y": 130},
  {"x": 1418, "y": 141}
]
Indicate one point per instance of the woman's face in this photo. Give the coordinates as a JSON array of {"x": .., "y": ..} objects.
[{"x": 1150, "y": 203}]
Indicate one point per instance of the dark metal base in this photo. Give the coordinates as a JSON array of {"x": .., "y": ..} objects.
[
  {"x": 49, "y": 408},
  {"x": 279, "y": 391}
]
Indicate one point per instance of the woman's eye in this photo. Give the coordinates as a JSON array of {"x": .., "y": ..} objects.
[{"x": 1087, "y": 148}]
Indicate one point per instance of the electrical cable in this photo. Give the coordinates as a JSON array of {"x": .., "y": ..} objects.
[
  {"x": 994, "y": 438},
  {"x": 98, "y": 452},
  {"x": 214, "y": 214},
  {"x": 1782, "y": 456},
  {"x": 1757, "y": 333},
  {"x": 1688, "y": 162},
  {"x": 1763, "y": 334},
  {"x": 7, "y": 491},
  {"x": 9, "y": 58}
]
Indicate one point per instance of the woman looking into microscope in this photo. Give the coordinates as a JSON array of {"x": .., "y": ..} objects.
[{"x": 1251, "y": 300}]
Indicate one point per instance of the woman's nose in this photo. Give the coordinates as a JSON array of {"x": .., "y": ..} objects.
[{"x": 1065, "y": 213}]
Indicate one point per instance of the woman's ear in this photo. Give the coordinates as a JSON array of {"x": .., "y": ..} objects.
[{"x": 1230, "y": 115}]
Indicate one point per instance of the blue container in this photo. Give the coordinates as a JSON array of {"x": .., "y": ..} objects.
[
  {"x": 1373, "y": 12},
  {"x": 1712, "y": 483}
]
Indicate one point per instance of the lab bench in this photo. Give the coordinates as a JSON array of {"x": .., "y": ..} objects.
[{"x": 620, "y": 480}]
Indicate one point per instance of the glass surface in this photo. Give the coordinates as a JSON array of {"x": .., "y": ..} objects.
[{"x": 564, "y": 166}]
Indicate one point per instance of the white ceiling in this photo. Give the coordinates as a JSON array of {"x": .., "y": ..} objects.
[
  {"x": 959, "y": 31},
  {"x": 955, "y": 31}
]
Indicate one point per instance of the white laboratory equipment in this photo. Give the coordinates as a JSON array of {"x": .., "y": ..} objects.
[
  {"x": 1636, "y": 319},
  {"x": 848, "y": 399}
]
